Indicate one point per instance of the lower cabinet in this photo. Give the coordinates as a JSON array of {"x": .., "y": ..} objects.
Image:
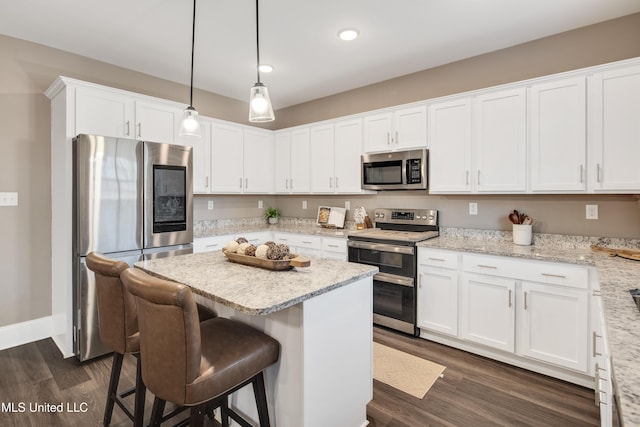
[{"x": 529, "y": 313}]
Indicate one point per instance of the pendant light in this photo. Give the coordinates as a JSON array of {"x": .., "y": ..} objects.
[
  {"x": 190, "y": 125},
  {"x": 260, "y": 109}
]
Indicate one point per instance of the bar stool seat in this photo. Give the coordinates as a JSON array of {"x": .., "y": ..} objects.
[{"x": 196, "y": 364}]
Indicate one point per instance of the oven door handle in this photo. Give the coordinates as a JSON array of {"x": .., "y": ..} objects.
[
  {"x": 381, "y": 247},
  {"x": 396, "y": 280}
]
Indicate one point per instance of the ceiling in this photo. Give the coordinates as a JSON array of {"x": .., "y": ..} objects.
[{"x": 298, "y": 37}]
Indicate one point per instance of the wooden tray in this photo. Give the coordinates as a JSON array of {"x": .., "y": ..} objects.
[
  {"x": 622, "y": 253},
  {"x": 269, "y": 264}
]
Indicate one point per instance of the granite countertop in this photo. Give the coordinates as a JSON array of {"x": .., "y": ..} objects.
[
  {"x": 253, "y": 290},
  {"x": 250, "y": 225},
  {"x": 615, "y": 276}
]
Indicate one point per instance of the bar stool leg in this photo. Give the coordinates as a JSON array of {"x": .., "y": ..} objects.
[
  {"x": 141, "y": 394},
  {"x": 261, "y": 399},
  {"x": 112, "y": 393},
  {"x": 156, "y": 412}
]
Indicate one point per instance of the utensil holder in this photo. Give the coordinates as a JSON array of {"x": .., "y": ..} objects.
[{"x": 522, "y": 234}]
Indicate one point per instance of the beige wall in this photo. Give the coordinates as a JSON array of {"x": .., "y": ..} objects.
[{"x": 28, "y": 69}]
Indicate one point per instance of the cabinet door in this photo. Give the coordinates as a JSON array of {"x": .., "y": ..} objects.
[
  {"x": 201, "y": 157},
  {"x": 282, "y": 162},
  {"x": 558, "y": 135},
  {"x": 450, "y": 146},
  {"x": 226, "y": 158},
  {"x": 322, "y": 155},
  {"x": 487, "y": 311},
  {"x": 410, "y": 127},
  {"x": 105, "y": 113},
  {"x": 210, "y": 244},
  {"x": 300, "y": 161},
  {"x": 554, "y": 325},
  {"x": 438, "y": 300},
  {"x": 258, "y": 161},
  {"x": 377, "y": 132},
  {"x": 500, "y": 141},
  {"x": 614, "y": 112},
  {"x": 348, "y": 149},
  {"x": 156, "y": 122}
]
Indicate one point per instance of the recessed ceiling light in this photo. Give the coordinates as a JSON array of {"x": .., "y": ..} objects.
[
  {"x": 348, "y": 34},
  {"x": 265, "y": 68}
]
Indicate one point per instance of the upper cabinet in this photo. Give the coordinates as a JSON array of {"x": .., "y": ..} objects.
[
  {"x": 201, "y": 156},
  {"x": 110, "y": 113},
  {"x": 400, "y": 129},
  {"x": 291, "y": 161},
  {"x": 258, "y": 161},
  {"x": 614, "y": 130},
  {"x": 557, "y": 117}
]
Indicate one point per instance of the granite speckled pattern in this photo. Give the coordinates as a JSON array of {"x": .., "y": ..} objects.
[
  {"x": 615, "y": 275},
  {"x": 221, "y": 227},
  {"x": 252, "y": 290}
]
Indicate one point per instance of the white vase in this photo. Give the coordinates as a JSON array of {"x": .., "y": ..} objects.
[
  {"x": 273, "y": 220},
  {"x": 522, "y": 234}
]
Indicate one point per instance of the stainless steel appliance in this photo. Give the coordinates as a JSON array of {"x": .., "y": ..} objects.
[
  {"x": 398, "y": 170},
  {"x": 132, "y": 200},
  {"x": 391, "y": 246}
]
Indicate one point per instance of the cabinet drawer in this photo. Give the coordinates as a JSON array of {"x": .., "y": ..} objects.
[
  {"x": 309, "y": 242},
  {"x": 437, "y": 258},
  {"x": 493, "y": 266},
  {"x": 210, "y": 244},
  {"x": 334, "y": 245}
]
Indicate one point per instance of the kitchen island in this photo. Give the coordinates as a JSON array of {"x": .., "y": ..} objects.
[{"x": 322, "y": 317}]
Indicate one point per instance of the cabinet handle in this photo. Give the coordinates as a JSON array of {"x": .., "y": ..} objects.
[
  {"x": 510, "y": 298},
  {"x": 598, "y": 175},
  {"x": 128, "y": 128},
  {"x": 212, "y": 245},
  {"x": 559, "y": 276},
  {"x": 337, "y": 182},
  {"x": 206, "y": 182},
  {"x": 596, "y": 293},
  {"x": 330, "y": 182},
  {"x": 333, "y": 246},
  {"x": 286, "y": 184},
  {"x": 595, "y": 351},
  {"x": 388, "y": 138},
  {"x": 397, "y": 141},
  {"x": 306, "y": 243},
  {"x": 240, "y": 183},
  {"x": 525, "y": 300},
  {"x": 467, "y": 177},
  {"x": 140, "y": 129},
  {"x": 581, "y": 174},
  {"x": 436, "y": 259},
  {"x": 487, "y": 266},
  {"x": 291, "y": 183},
  {"x": 246, "y": 183},
  {"x": 478, "y": 176}
]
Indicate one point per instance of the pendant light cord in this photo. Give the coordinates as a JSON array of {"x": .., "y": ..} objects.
[
  {"x": 193, "y": 42},
  {"x": 257, "y": 41}
]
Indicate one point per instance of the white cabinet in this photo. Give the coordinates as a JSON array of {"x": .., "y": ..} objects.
[
  {"x": 227, "y": 152},
  {"x": 614, "y": 130},
  {"x": 553, "y": 325},
  {"x": 487, "y": 310},
  {"x": 301, "y": 244},
  {"x": 111, "y": 113},
  {"x": 450, "y": 146},
  {"x": 335, "y": 150},
  {"x": 258, "y": 161},
  {"x": 401, "y": 129},
  {"x": 437, "y": 304},
  {"x": 558, "y": 137},
  {"x": 334, "y": 248},
  {"x": 291, "y": 161},
  {"x": 500, "y": 141},
  {"x": 210, "y": 244},
  {"x": 201, "y": 149}
]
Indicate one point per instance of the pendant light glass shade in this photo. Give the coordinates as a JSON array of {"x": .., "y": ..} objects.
[
  {"x": 190, "y": 125},
  {"x": 260, "y": 109}
]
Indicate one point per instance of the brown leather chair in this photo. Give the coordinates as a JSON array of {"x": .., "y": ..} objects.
[
  {"x": 118, "y": 324},
  {"x": 196, "y": 364}
]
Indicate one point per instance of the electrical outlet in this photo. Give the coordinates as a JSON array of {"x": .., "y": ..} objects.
[
  {"x": 347, "y": 205},
  {"x": 304, "y": 204},
  {"x": 210, "y": 205},
  {"x": 592, "y": 211},
  {"x": 260, "y": 205},
  {"x": 9, "y": 199},
  {"x": 473, "y": 209}
]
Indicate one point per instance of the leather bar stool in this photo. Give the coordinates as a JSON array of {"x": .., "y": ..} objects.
[
  {"x": 196, "y": 364},
  {"x": 118, "y": 324}
]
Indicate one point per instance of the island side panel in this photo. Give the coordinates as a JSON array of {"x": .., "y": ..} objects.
[{"x": 338, "y": 366}]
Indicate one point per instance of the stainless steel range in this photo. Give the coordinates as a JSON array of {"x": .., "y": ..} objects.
[{"x": 391, "y": 246}]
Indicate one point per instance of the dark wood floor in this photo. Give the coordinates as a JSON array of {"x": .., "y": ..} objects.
[{"x": 474, "y": 391}]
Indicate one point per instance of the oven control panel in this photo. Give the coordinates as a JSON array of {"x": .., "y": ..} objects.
[{"x": 406, "y": 216}]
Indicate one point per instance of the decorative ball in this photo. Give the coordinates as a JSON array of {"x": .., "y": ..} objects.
[
  {"x": 261, "y": 251},
  {"x": 232, "y": 246},
  {"x": 242, "y": 247},
  {"x": 250, "y": 250},
  {"x": 270, "y": 243},
  {"x": 277, "y": 252},
  {"x": 241, "y": 240}
]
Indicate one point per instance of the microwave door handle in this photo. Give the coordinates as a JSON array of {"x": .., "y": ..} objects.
[{"x": 381, "y": 247}]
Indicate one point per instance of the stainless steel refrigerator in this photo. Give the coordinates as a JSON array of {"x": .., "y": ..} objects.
[{"x": 132, "y": 200}]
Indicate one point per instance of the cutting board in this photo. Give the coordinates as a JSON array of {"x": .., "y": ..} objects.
[
  {"x": 633, "y": 254},
  {"x": 331, "y": 216}
]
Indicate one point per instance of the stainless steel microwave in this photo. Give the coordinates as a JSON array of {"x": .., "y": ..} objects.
[{"x": 398, "y": 170}]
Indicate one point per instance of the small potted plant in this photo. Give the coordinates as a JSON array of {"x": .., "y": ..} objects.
[{"x": 272, "y": 215}]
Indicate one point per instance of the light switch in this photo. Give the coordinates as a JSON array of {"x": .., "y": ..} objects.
[
  {"x": 473, "y": 209},
  {"x": 260, "y": 205},
  {"x": 9, "y": 199},
  {"x": 304, "y": 204},
  {"x": 210, "y": 205}
]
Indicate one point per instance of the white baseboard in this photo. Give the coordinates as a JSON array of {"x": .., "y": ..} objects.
[{"x": 25, "y": 332}]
